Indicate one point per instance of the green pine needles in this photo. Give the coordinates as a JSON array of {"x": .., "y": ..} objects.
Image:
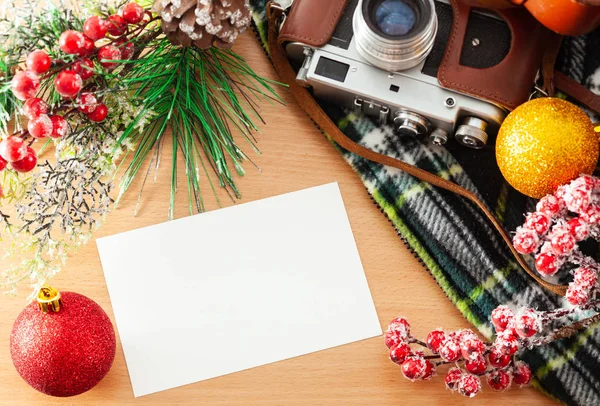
[{"x": 205, "y": 98}]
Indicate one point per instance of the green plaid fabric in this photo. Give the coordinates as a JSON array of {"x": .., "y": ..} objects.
[{"x": 455, "y": 242}]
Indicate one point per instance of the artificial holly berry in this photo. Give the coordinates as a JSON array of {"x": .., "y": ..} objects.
[
  {"x": 109, "y": 53},
  {"x": 84, "y": 68},
  {"x": 538, "y": 222},
  {"x": 521, "y": 373},
  {"x": 585, "y": 277},
  {"x": 401, "y": 325},
  {"x": 498, "y": 359},
  {"x": 68, "y": 83},
  {"x": 60, "y": 127},
  {"x": 498, "y": 380},
  {"x": 591, "y": 215},
  {"x": 577, "y": 295},
  {"x": 527, "y": 323},
  {"x": 578, "y": 199},
  {"x": 40, "y": 126},
  {"x": 507, "y": 342},
  {"x": 27, "y": 164},
  {"x": 34, "y": 107},
  {"x": 3, "y": 163},
  {"x": 414, "y": 367},
  {"x": 435, "y": 339},
  {"x": 469, "y": 385},
  {"x": 88, "y": 48},
  {"x": 95, "y": 28},
  {"x": 116, "y": 25},
  {"x": 71, "y": 42},
  {"x": 452, "y": 377},
  {"x": 546, "y": 264},
  {"x": 471, "y": 347},
  {"x": 449, "y": 350},
  {"x": 25, "y": 85},
  {"x": 477, "y": 365},
  {"x": 13, "y": 149},
  {"x": 578, "y": 228},
  {"x": 133, "y": 13},
  {"x": 562, "y": 241},
  {"x": 525, "y": 240},
  {"x": 38, "y": 62},
  {"x": 127, "y": 50},
  {"x": 549, "y": 205},
  {"x": 429, "y": 370},
  {"x": 502, "y": 316},
  {"x": 399, "y": 353},
  {"x": 87, "y": 103},
  {"x": 99, "y": 114},
  {"x": 392, "y": 338}
]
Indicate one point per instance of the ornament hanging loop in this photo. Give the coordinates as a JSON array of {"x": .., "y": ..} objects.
[{"x": 49, "y": 299}]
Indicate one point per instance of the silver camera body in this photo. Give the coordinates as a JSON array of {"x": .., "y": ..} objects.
[{"x": 383, "y": 76}]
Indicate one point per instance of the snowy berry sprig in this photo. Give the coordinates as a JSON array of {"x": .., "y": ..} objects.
[
  {"x": 553, "y": 231},
  {"x": 473, "y": 358},
  {"x": 102, "y": 44}
]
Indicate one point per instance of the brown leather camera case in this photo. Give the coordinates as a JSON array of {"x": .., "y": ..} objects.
[{"x": 507, "y": 84}]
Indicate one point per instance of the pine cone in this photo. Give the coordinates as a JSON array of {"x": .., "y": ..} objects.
[{"x": 203, "y": 22}]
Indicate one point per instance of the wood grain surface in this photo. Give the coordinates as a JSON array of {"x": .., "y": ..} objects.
[{"x": 295, "y": 155}]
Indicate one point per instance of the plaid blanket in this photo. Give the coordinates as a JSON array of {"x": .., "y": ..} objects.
[{"x": 455, "y": 242}]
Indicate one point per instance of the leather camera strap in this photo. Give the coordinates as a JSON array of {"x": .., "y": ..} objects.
[{"x": 314, "y": 111}]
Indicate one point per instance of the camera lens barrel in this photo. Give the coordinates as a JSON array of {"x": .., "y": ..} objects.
[{"x": 395, "y": 35}]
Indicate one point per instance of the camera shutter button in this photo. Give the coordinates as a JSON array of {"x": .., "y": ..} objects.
[
  {"x": 410, "y": 123},
  {"x": 472, "y": 133}
]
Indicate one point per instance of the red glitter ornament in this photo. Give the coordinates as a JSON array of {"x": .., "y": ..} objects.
[{"x": 66, "y": 352}]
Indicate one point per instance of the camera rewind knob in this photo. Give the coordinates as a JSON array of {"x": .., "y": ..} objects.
[
  {"x": 410, "y": 123},
  {"x": 472, "y": 133}
]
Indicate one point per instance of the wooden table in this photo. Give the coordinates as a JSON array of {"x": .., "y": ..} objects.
[{"x": 295, "y": 155}]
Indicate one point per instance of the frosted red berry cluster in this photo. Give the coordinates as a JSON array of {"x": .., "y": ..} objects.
[
  {"x": 473, "y": 358},
  {"x": 102, "y": 44},
  {"x": 553, "y": 231}
]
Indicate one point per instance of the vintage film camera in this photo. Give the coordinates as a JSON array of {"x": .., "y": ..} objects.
[{"x": 383, "y": 59}]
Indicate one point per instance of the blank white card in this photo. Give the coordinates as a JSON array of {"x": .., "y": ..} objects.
[{"x": 236, "y": 288}]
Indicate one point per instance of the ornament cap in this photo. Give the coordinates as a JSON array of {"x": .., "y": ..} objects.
[{"x": 49, "y": 299}]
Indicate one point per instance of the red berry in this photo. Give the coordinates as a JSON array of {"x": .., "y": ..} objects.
[
  {"x": 35, "y": 107},
  {"x": 68, "y": 83},
  {"x": 401, "y": 325},
  {"x": 521, "y": 373},
  {"x": 99, "y": 114},
  {"x": 498, "y": 359},
  {"x": 429, "y": 370},
  {"x": 538, "y": 222},
  {"x": 585, "y": 277},
  {"x": 87, "y": 103},
  {"x": 578, "y": 228},
  {"x": 38, "y": 62},
  {"x": 476, "y": 365},
  {"x": 501, "y": 317},
  {"x": 546, "y": 264},
  {"x": 25, "y": 85},
  {"x": 127, "y": 50},
  {"x": 60, "y": 127},
  {"x": 84, "y": 68},
  {"x": 95, "y": 28},
  {"x": 88, "y": 48},
  {"x": 414, "y": 367},
  {"x": 116, "y": 25},
  {"x": 26, "y": 164},
  {"x": 549, "y": 205},
  {"x": 469, "y": 385},
  {"x": 133, "y": 13},
  {"x": 507, "y": 342},
  {"x": 527, "y": 323},
  {"x": 452, "y": 377},
  {"x": 392, "y": 338},
  {"x": 3, "y": 163},
  {"x": 449, "y": 350},
  {"x": 576, "y": 295},
  {"x": 525, "y": 240},
  {"x": 498, "y": 380},
  {"x": 71, "y": 42},
  {"x": 471, "y": 347},
  {"x": 13, "y": 149},
  {"x": 562, "y": 241},
  {"x": 591, "y": 215},
  {"x": 399, "y": 353},
  {"x": 578, "y": 198},
  {"x": 435, "y": 339},
  {"x": 40, "y": 126},
  {"x": 109, "y": 53}
]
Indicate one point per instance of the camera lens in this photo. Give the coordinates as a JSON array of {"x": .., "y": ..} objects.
[
  {"x": 395, "y": 17},
  {"x": 394, "y": 35}
]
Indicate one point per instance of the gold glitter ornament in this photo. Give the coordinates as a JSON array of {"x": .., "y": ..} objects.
[{"x": 546, "y": 143}]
